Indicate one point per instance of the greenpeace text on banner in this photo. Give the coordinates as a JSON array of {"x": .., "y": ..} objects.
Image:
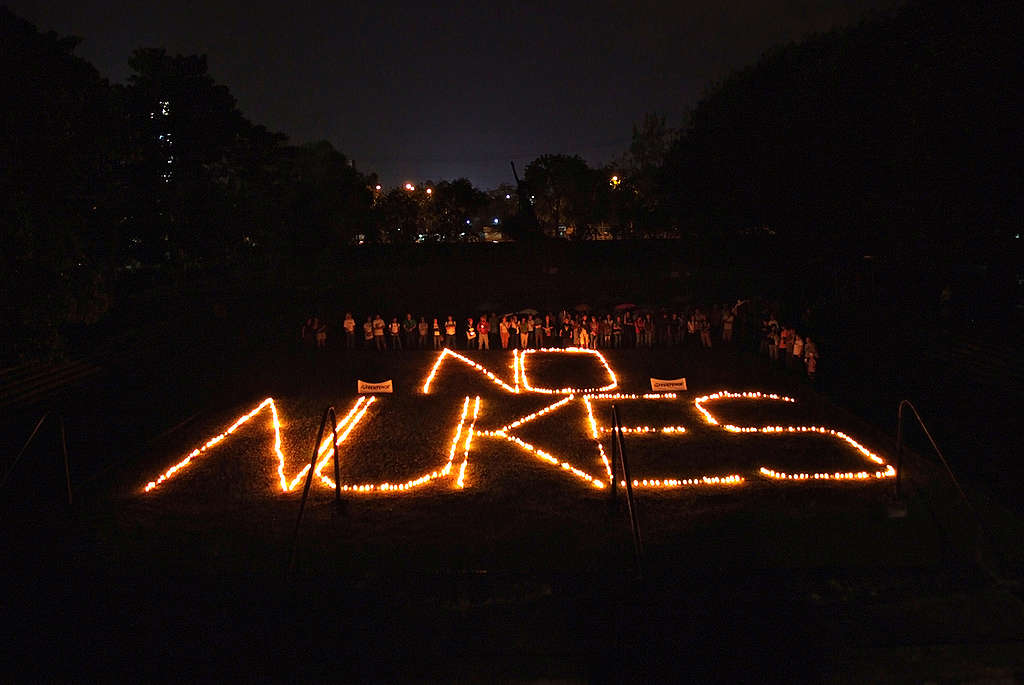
[
  {"x": 660, "y": 384},
  {"x": 364, "y": 388}
]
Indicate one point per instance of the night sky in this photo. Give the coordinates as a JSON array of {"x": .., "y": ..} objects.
[{"x": 417, "y": 91}]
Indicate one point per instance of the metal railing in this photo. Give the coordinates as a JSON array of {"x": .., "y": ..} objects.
[
  {"x": 977, "y": 532},
  {"x": 329, "y": 411},
  {"x": 899, "y": 451},
  {"x": 63, "y": 445},
  {"x": 619, "y": 450}
]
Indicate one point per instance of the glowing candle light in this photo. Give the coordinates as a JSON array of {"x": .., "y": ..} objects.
[
  {"x": 446, "y": 352},
  {"x": 286, "y": 485},
  {"x": 464, "y": 435},
  {"x": 888, "y": 472},
  {"x": 565, "y": 391},
  {"x": 461, "y": 482}
]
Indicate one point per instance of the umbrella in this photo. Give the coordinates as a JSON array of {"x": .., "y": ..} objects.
[
  {"x": 528, "y": 311},
  {"x": 582, "y": 307},
  {"x": 624, "y": 306}
]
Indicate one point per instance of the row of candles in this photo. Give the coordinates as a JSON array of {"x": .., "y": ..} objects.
[{"x": 520, "y": 384}]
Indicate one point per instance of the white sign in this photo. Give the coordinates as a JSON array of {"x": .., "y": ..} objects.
[
  {"x": 659, "y": 384},
  {"x": 365, "y": 388}
]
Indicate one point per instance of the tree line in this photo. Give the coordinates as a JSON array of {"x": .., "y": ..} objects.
[{"x": 896, "y": 136}]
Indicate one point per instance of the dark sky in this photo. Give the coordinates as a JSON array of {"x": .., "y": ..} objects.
[{"x": 419, "y": 91}]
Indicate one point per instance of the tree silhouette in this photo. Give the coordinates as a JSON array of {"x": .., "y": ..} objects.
[{"x": 59, "y": 152}]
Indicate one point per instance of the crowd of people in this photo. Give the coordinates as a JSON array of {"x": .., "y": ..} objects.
[
  {"x": 623, "y": 327},
  {"x": 786, "y": 347}
]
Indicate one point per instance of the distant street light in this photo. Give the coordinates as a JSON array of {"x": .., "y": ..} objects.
[
  {"x": 430, "y": 191},
  {"x": 410, "y": 187}
]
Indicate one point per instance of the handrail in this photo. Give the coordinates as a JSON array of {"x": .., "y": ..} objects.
[
  {"x": 329, "y": 411},
  {"x": 899, "y": 450},
  {"x": 963, "y": 496},
  {"x": 64, "y": 448},
  {"x": 618, "y": 447}
]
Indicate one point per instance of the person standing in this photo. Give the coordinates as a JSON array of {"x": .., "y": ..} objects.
[
  {"x": 321, "y": 333},
  {"x": 483, "y": 329},
  {"x": 785, "y": 340},
  {"x": 567, "y": 329},
  {"x": 368, "y": 333},
  {"x": 396, "y": 334},
  {"x": 705, "y": 334},
  {"x": 798, "y": 351},
  {"x": 765, "y": 330},
  {"x": 664, "y": 328},
  {"x": 423, "y": 330},
  {"x": 378, "y": 333},
  {"x": 449, "y": 332},
  {"x": 529, "y": 340},
  {"x": 715, "y": 318},
  {"x": 503, "y": 332},
  {"x": 492, "y": 324},
  {"x": 773, "y": 325},
  {"x": 810, "y": 357},
  {"x": 437, "y": 335},
  {"x": 700, "y": 321},
  {"x": 524, "y": 332},
  {"x": 470, "y": 334},
  {"x": 727, "y": 321},
  {"x": 617, "y": 332},
  {"x": 513, "y": 331},
  {"x": 306, "y": 337},
  {"x": 409, "y": 330},
  {"x": 673, "y": 330},
  {"x": 350, "y": 331}
]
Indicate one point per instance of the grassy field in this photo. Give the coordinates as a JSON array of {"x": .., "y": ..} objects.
[{"x": 526, "y": 572}]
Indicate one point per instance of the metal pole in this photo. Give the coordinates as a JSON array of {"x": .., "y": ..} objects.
[
  {"x": 64, "y": 447},
  {"x": 305, "y": 492},
  {"x": 24, "y": 447},
  {"x": 613, "y": 490},
  {"x": 952, "y": 477},
  {"x": 631, "y": 504},
  {"x": 337, "y": 466},
  {"x": 942, "y": 457},
  {"x": 899, "y": 446}
]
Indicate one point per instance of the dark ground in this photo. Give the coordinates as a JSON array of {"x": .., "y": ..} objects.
[{"x": 775, "y": 584}]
